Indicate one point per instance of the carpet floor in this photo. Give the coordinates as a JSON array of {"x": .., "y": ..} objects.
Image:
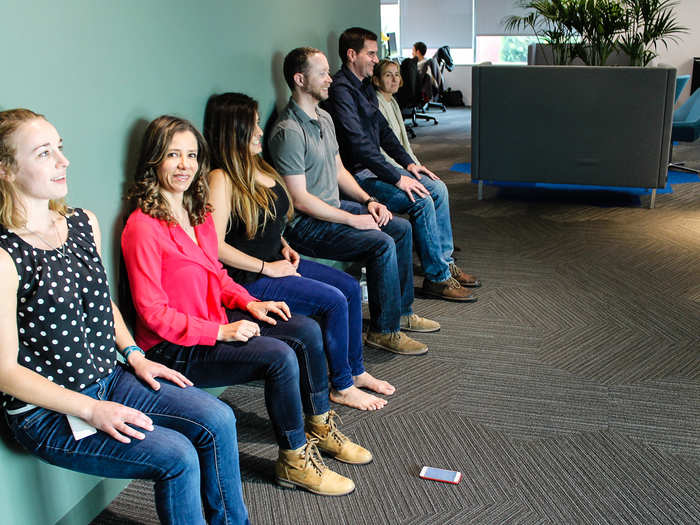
[{"x": 569, "y": 393}]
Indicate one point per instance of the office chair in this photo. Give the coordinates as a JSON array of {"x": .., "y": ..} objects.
[
  {"x": 681, "y": 81},
  {"x": 434, "y": 93},
  {"x": 409, "y": 95},
  {"x": 686, "y": 126}
]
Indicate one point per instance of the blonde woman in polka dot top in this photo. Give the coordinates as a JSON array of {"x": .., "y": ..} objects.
[{"x": 65, "y": 396}]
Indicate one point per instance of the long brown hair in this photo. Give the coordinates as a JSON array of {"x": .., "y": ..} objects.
[
  {"x": 11, "y": 213},
  {"x": 229, "y": 121},
  {"x": 145, "y": 191}
]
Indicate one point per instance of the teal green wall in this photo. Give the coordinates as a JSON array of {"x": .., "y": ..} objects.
[{"x": 100, "y": 70}]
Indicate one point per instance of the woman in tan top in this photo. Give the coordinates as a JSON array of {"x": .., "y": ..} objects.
[{"x": 387, "y": 81}]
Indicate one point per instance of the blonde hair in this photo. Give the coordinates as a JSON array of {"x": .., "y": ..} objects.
[
  {"x": 229, "y": 121},
  {"x": 12, "y": 214}
]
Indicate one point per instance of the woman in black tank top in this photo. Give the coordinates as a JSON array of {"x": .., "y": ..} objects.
[
  {"x": 65, "y": 396},
  {"x": 251, "y": 208}
]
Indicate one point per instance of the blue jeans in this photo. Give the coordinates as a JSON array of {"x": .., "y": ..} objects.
[
  {"x": 387, "y": 254},
  {"x": 334, "y": 299},
  {"x": 430, "y": 218},
  {"x": 194, "y": 438},
  {"x": 295, "y": 378}
]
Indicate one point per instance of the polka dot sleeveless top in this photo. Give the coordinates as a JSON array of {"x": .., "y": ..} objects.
[{"x": 65, "y": 322}]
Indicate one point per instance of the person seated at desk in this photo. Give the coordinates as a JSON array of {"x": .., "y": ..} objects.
[
  {"x": 429, "y": 83},
  {"x": 193, "y": 317},
  {"x": 59, "y": 336},
  {"x": 251, "y": 209},
  {"x": 413, "y": 189}
]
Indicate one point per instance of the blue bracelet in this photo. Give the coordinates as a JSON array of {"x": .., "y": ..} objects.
[{"x": 126, "y": 352}]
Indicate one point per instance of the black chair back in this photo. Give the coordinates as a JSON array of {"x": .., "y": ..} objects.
[{"x": 409, "y": 95}]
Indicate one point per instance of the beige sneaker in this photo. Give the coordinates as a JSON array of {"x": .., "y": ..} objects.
[
  {"x": 415, "y": 323},
  {"x": 305, "y": 469},
  {"x": 396, "y": 342},
  {"x": 332, "y": 441}
]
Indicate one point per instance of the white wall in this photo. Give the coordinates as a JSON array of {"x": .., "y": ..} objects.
[
  {"x": 681, "y": 55},
  {"x": 460, "y": 78}
]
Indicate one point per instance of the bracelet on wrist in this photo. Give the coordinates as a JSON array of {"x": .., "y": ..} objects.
[
  {"x": 262, "y": 267},
  {"x": 371, "y": 199},
  {"x": 126, "y": 352}
]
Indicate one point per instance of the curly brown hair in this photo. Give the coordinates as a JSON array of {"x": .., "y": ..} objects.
[{"x": 145, "y": 191}]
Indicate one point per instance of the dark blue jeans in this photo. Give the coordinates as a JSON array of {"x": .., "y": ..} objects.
[
  {"x": 387, "y": 254},
  {"x": 334, "y": 299},
  {"x": 194, "y": 438},
  {"x": 287, "y": 356},
  {"x": 430, "y": 217}
]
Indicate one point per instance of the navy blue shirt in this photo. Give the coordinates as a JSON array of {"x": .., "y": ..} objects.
[{"x": 361, "y": 128}]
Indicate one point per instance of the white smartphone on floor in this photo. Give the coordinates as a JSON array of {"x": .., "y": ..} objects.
[{"x": 438, "y": 474}]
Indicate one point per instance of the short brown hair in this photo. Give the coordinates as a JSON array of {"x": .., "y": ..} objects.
[
  {"x": 145, "y": 191},
  {"x": 353, "y": 38},
  {"x": 11, "y": 213},
  {"x": 297, "y": 61}
]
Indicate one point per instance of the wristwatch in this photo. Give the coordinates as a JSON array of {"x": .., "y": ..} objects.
[{"x": 371, "y": 199}]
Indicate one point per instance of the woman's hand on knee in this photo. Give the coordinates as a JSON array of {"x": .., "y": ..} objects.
[
  {"x": 238, "y": 331},
  {"x": 147, "y": 371},
  {"x": 117, "y": 420},
  {"x": 281, "y": 268},
  {"x": 260, "y": 309}
]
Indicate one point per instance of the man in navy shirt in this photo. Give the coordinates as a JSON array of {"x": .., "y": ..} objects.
[{"x": 361, "y": 131}]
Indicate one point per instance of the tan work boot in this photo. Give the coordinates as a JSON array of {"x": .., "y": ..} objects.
[
  {"x": 333, "y": 442},
  {"x": 305, "y": 469},
  {"x": 396, "y": 342},
  {"x": 449, "y": 289},
  {"x": 463, "y": 277},
  {"x": 415, "y": 323}
]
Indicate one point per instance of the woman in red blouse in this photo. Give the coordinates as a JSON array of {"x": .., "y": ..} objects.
[{"x": 194, "y": 317}]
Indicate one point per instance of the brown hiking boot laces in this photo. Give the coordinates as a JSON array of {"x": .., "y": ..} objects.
[{"x": 453, "y": 283}]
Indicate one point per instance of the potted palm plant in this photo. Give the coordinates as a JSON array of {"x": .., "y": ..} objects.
[{"x": 592, "y": 30}]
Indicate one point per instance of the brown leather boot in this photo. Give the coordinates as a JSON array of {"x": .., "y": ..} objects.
[
  {"x": 305, "y": 469},
  {"x": 463, "y": 277},
  {"x": 333, "y": 442},
  {"x": 449, "y": 289}
]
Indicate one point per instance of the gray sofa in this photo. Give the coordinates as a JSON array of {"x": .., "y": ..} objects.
[{"x": 605, "y": 126}]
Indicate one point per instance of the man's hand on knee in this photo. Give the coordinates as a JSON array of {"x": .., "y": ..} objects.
[
  {"x": 410, "y": 185},
  {"x": 417, "y": 169}
]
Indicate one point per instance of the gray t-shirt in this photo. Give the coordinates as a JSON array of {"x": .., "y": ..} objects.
[{"x": 300, "y": 144}]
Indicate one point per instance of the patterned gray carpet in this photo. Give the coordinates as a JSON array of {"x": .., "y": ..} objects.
[{"x": 569, "y": 393}]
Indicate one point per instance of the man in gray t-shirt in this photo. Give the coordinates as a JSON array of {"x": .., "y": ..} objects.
[{"x": 304, "y": 150}]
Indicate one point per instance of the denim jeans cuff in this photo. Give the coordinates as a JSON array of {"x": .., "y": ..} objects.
[
  {"x": 440, "y": 277},
  {"x": 292, "y": 439},
  {"x": 358, "y": 371},
  {"x": 342, "y": 383}
]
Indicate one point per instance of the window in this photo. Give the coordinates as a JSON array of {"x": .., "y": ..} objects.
[{"x": 503, "y": 49}]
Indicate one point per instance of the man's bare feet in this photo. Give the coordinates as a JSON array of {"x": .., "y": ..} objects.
[
  {"x": 356, "y": 398},
  {"x": 365, "y": 380}
]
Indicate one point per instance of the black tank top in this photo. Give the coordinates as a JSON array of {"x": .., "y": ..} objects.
[
  {"x": 266, "y": 245},
  {"x": 65, "y": 322}
]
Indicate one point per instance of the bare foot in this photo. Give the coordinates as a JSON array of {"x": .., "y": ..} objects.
[
  {"x": 365, "y": 380},
  {"x": 356, "y": 398}
]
